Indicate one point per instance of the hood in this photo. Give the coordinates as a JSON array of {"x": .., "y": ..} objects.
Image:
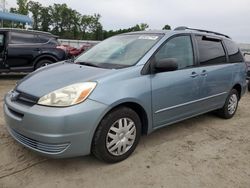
[{"x": 56, "y": 76}]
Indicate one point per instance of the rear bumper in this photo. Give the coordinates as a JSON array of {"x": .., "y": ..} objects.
[{"x": 54, "y": 132}]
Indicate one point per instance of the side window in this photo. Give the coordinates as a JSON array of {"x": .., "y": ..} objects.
[
  {"x": 179, "y": 48},
  {"x": 54, "y": 41},
  {"x": 44, "y": 39},
  {"x": 23, "y": 38},
  {"x": 211, "y": 51},
  {"x": 234, "y": 53}
]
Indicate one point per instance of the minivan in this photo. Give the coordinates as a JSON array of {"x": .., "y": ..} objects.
[{"x": 128, "y": 85}]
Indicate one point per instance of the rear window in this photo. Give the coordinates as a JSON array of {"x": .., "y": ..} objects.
[
  {"x": 23, "y": 38},
  {"x": 211, "y": 51},
  {"x": 234, "y": 53},
  {"x": 44, "y": 39},
  {"x": 54, "y": 41}
]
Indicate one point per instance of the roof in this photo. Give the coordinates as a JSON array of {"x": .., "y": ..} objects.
[
  {"x": 28, "y": 31},
  {"x": 202, "y": 32},
  {"x": 15, "y": 17}
]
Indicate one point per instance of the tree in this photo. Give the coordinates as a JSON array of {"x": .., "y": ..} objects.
[
  {"x": 85, "y": 22},
  {"x": 35, "y": 9},
  {"x": 45, "y": 19},
  {"x": 166, "y": 27},
  {"x": 143, "y": 26},
  {"x": 13, "y": 10},
  {"x": 95, "y": 27},
  {"x": 22, "y": 7}
]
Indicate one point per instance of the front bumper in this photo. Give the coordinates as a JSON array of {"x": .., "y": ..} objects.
[{"x": 54, "y": 132}]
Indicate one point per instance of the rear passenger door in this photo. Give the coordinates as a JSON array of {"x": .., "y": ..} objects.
[
  {"x": 22, "y": 49},
  {"x": 216, "y": 72}
]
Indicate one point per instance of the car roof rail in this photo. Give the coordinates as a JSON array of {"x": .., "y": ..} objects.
[{"x": 200, "y": 30}]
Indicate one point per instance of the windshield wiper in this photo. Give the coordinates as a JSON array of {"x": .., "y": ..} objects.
[{"x": 87, "y": 64}]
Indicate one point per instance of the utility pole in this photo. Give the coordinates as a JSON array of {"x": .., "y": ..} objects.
[{"x": 3, "y": 5}]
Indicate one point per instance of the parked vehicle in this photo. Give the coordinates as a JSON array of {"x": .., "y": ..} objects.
[
  {"x": 247, "y": 55},
  {"x": 73, "y": 52},
  {"x": 125, "y": 86},
  {"x": 26, "y": 50}
]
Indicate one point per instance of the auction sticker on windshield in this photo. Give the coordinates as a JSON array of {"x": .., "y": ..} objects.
[{"x": 147, "y": 37}]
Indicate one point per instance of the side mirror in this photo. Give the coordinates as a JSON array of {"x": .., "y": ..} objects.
[
  {"x": 167, "y": 64},
  {"x": 246, "y": 53}
]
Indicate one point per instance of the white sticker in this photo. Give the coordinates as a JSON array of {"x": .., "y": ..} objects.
[{"x": 148, "y": 37}]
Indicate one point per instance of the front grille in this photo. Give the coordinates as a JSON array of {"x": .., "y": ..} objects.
[{"x": 39, "y": 146}]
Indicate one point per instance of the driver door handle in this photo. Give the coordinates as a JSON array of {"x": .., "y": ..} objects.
[
  {"x": 194, "y": 75},
  {"x": 204, "y": 73}
]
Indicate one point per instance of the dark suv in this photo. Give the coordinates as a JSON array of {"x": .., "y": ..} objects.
[{"x": 27, "y": 50}]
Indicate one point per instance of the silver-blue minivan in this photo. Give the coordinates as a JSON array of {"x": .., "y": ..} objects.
[{"x": 125, "y": 86}]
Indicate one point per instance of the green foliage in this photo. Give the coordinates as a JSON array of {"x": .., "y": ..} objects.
[
  {"x": 22, "y": 7},
  {"x": 65, "y": 22},
  {"x": 166, "y": 27},
  {"x": 35, "y": 9}
]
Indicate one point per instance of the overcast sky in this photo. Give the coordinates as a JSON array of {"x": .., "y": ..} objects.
[{"x": 225, "y": 16}]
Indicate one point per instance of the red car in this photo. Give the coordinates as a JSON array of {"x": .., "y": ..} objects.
[{"x": 73, "y": 52}]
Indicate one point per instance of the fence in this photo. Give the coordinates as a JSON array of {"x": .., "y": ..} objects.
[{"x": 77, "y": 43}]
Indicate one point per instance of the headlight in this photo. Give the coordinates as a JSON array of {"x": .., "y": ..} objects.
[{"x": 67, "y": 96}]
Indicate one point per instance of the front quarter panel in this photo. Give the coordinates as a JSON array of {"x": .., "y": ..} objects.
[{"x": 126, "y": 86}]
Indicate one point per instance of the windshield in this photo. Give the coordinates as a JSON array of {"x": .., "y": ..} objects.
[{"x": 119, "y": 51}]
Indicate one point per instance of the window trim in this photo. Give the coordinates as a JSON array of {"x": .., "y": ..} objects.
[
  {"x": 198, "y": 54},
  {"x": 147, "y": 67},
  {"x": 226, "y": 48}
]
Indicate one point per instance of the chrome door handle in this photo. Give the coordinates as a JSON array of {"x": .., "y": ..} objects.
[
  {"x": 204, "y": 73},
  {"x": 194, "y": 75}
]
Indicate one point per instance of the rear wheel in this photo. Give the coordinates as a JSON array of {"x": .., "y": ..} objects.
[
  {"x": 249, "y": 85},
  {"x": 117, "y": 135},
  {"x": 43, "y": 63},
  {"x": 230, "y": 106}
]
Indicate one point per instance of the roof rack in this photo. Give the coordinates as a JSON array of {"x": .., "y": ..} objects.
[{"x": 200, "y": 30}]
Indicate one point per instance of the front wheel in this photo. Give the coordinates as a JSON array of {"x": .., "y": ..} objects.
[
  {"x": 117, "y": 135},
  {"x": 230, "y": 106}
]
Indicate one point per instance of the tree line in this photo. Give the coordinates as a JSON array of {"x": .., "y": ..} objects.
[{"x": 65, "y": 22}]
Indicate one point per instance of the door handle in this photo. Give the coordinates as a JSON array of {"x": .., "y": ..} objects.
[
  {"x": 194, "y": 75},
  {"x": 204, "y": 73}
]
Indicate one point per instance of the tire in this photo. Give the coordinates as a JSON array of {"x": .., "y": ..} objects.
[
  {"x": 43, "y": 63},
  {"x": 121, "y": 142},
  {"x": 248, "y": 86},
  {"x": 233, "y": 98}
]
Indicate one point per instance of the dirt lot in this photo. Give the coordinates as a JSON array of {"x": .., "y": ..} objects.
[{"x": 201, "y": 152}]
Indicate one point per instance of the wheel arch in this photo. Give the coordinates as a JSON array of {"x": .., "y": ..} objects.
[
  {"x": 238, "y": 89},
  {"x": 44, "y": 56},
  {"x": 138, "y": 108}
]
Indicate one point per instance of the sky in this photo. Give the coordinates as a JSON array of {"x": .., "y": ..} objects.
[{"x": 230, "y": 17}]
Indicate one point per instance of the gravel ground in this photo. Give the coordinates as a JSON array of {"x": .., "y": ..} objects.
[{"x": 205, "y": 151}]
